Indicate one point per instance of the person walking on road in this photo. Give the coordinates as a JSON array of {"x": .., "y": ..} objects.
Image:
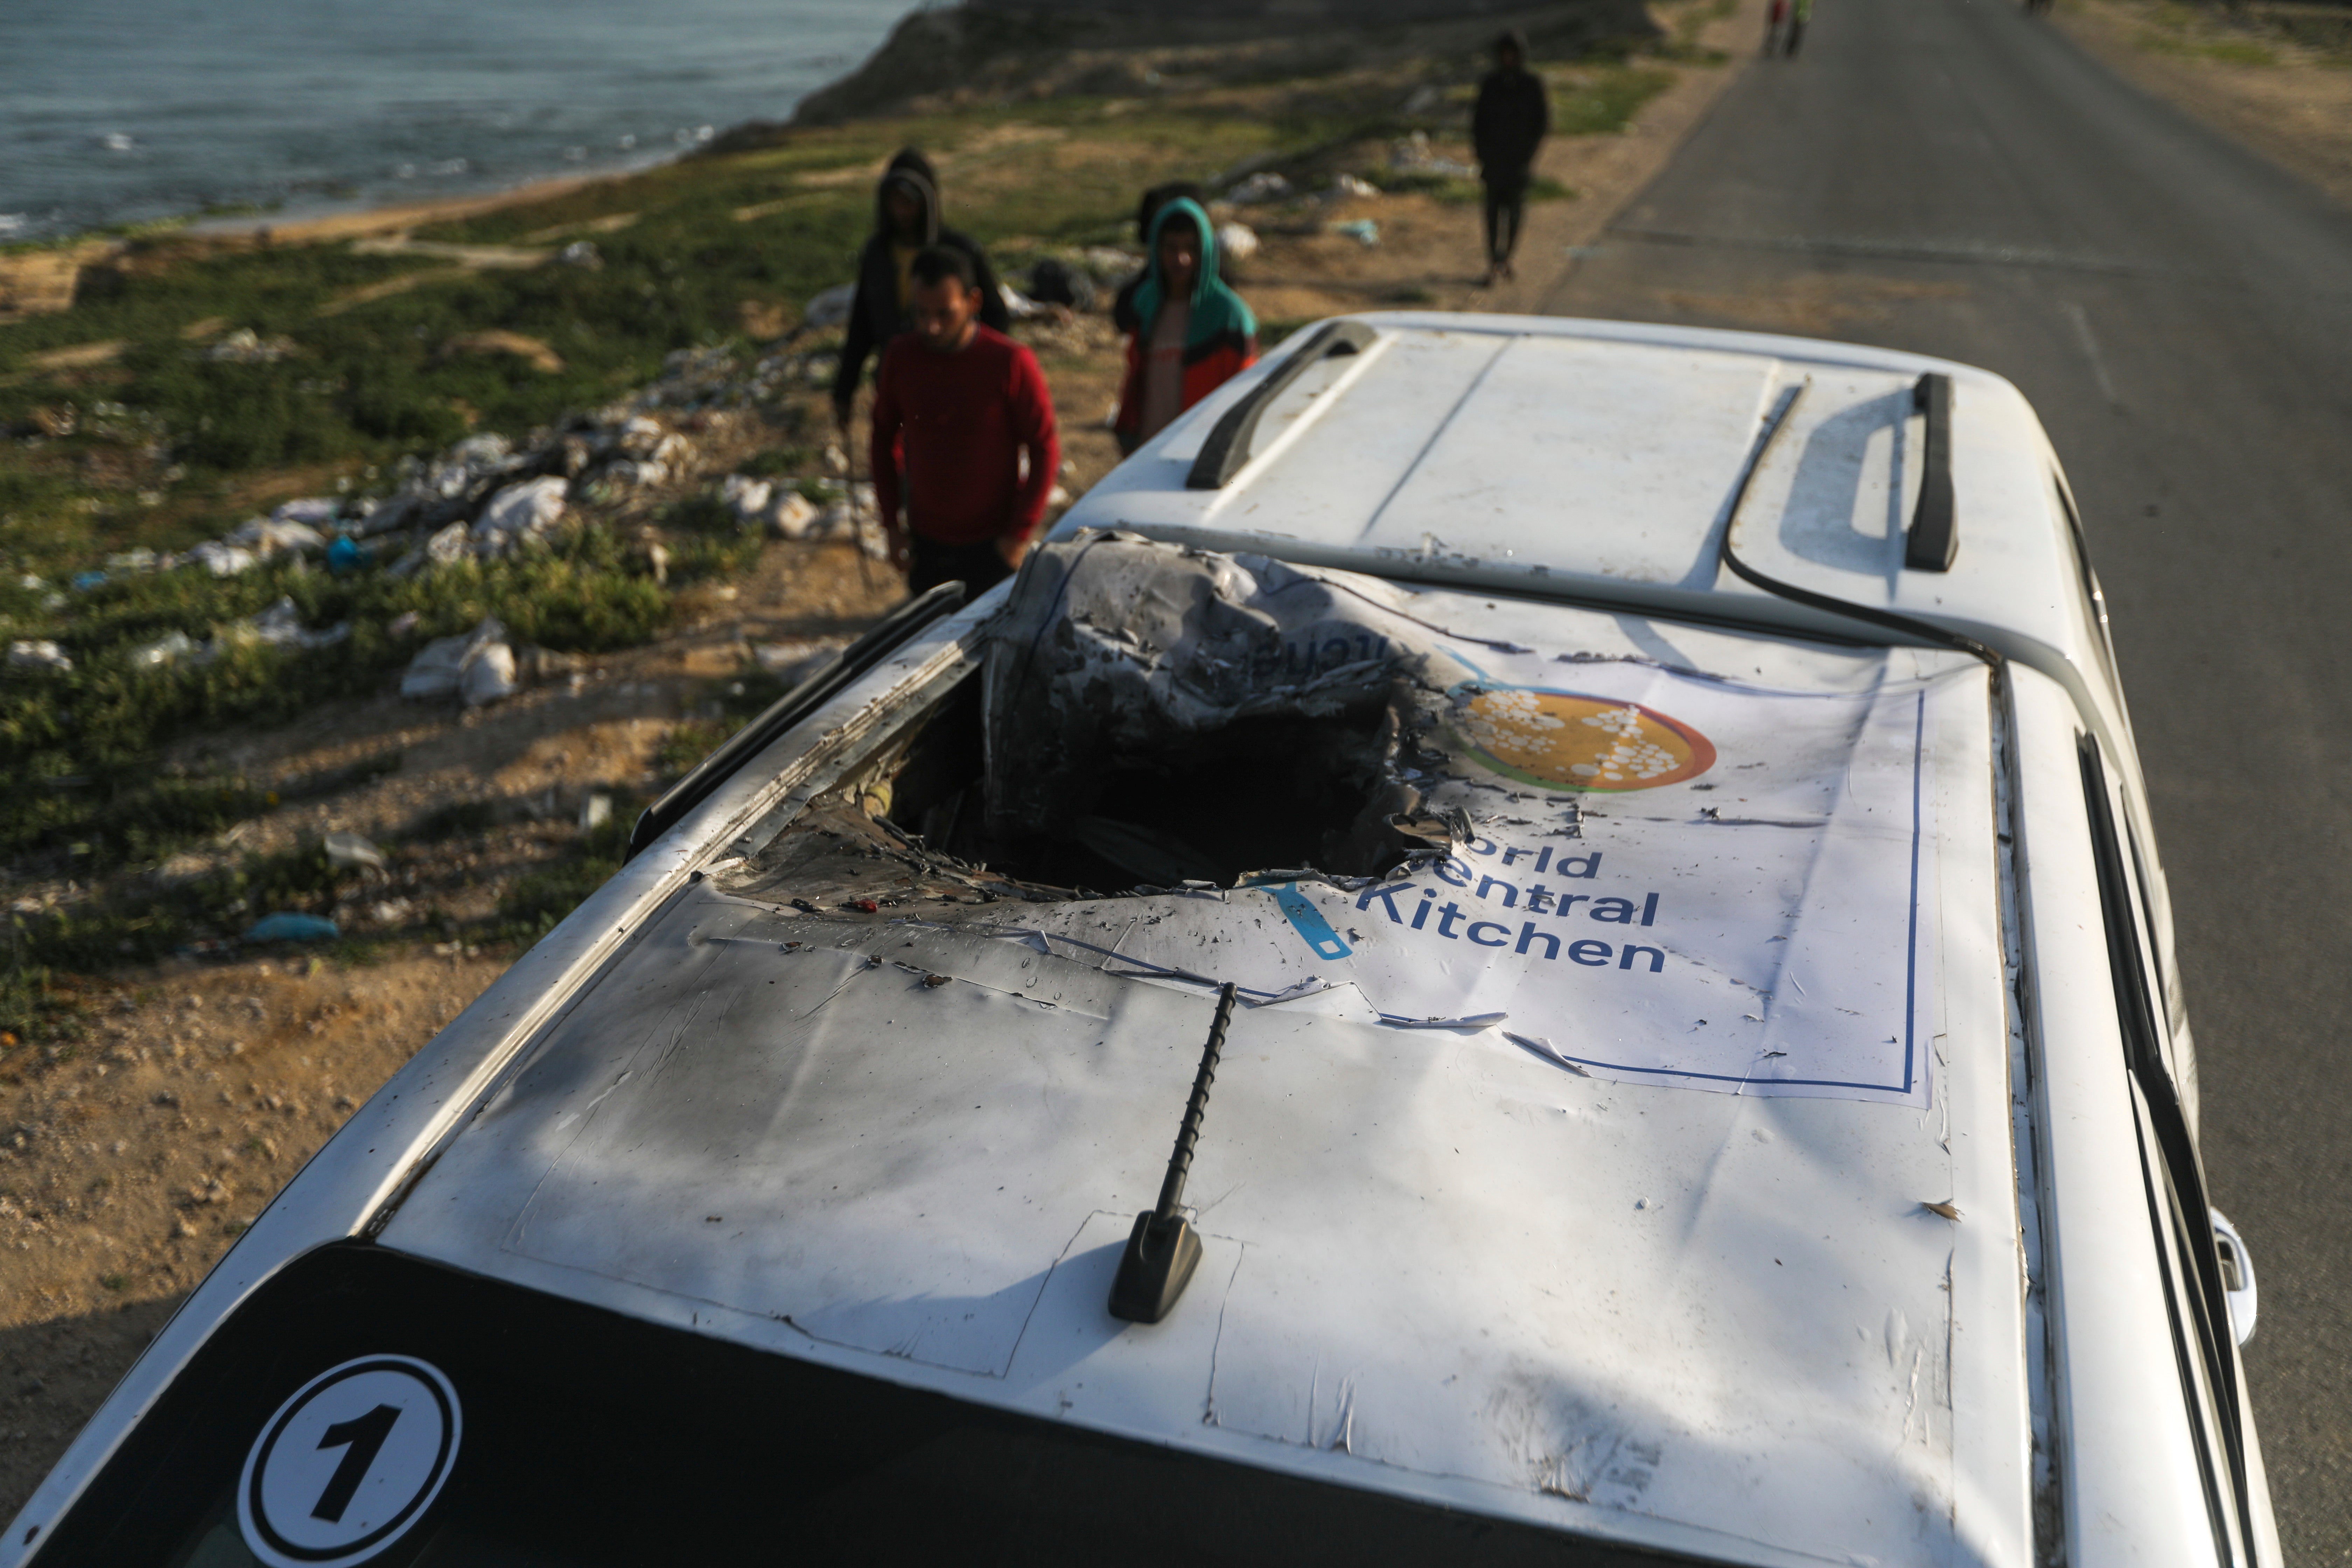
[
  {"x": 963, "y": 433},
  {"x": 906, "y": 221},
  {"x": 1512, "y": 118},
  {"x": 1191, "y": 334},
  {"x": 1802, "y": 12}
]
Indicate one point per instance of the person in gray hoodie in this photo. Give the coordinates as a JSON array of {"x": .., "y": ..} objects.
[
  {"x": 1512, "y": 116},
  {"x": 905, "y": 222}
]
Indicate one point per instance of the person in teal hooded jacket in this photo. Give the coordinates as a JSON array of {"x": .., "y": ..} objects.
[{"x": 1192, "y": 332}]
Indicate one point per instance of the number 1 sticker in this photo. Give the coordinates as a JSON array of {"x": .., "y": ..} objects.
[{"x": 349, "y": 1463}]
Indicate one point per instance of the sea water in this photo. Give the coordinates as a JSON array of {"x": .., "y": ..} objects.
[{"x": 117, "y": 111}]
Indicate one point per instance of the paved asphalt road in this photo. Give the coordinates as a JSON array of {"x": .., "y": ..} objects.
[{"x": 1953, "y": 177}]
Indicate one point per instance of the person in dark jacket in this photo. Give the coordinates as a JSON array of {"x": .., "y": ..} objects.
[
  {"x": 1512, "y": 116},
  {"x": 1122, "y": 305},
  {"x": 905, "y": 222}
]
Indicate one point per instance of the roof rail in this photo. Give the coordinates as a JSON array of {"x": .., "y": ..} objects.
[
  {"x": 790, "y": 708},
  {"x": 1934, "y": 539},
  {"x": 1228, "y": 445}
]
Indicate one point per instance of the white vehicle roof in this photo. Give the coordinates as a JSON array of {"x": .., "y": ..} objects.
[
  {"x": 1647, "y": 1168},
  {"x": 1599, "y": 461},
  {"x": 1513, "y": 1222}
]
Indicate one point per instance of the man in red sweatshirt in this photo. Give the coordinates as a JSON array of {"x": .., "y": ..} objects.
[{"x": 963, "y": 430}]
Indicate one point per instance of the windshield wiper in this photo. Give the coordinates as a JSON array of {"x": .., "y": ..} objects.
[{"x": 1163, "y": 1249}]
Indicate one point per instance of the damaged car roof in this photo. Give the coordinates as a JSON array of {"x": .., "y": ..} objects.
[
  {"x": 1633, "y": 1160},
  {"x": 1599, "y": 461}
]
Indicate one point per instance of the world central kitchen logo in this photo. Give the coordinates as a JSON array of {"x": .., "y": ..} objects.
[{"x": 1565, "y": 740}]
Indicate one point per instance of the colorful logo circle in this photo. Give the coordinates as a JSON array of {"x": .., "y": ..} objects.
[{"x": 1564, "y": 739}]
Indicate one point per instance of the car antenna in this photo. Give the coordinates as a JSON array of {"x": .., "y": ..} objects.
[{"x": 1163, "y": 1249}]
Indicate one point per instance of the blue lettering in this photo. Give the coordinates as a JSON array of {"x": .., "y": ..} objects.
[
  {"x": 1616, "y": 912},
  {"x": 1625, "y": 959},
  {"x": 1510, "y": 893},
  {"x": 1503, "y": 940},
  {"x": 1386, "y": 896},
  {"x": 1530, "y": 932},
  {"x": 1588, "y": 951}
]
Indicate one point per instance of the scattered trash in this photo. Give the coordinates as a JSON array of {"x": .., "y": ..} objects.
[
  {"x": 793, "y": 516},
  {"x": 269, "y": 536},
  {"x": 521, "y": 513},
  {"x": 401, "y": 624},
  {"x": 1946, "y": 1210},
  {"x": 1236, "y": 242},
  {"x": 1362, "y": 230},
  {"x": 347, "y": 556},
  {"x": 1350, "y": 185},
  {"x": 168, "y": 649},
  {"x": 1052, "y": 282},
  {"x": 1264, "y": 186},
  {"x": 223, "y": 560},
  {"x": 489, "y": 676},
  {"x": 830, "y": 308},
  {"x": 83, "y": 582},
  {"x": 1411, "y": 155},
  {"x": 580, "y": 253},
  {"x": 348, "y": 849},
  {"x": 290, "y": 927},
  {"x": 748, "y": 499},
  {"x": 440, "y": 666},
  {"x": 595, "y": 812},
  {"x": 246, "y": 346},
  {"x": 280, "y": 625},
  {"x": 38, "y": 653},
  {"x": 1017, "y": 304}
]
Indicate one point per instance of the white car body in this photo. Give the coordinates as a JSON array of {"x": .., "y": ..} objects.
[{"x": 1574, "y": 1260}]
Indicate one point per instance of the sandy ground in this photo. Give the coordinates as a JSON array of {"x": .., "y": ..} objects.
[
  {"x": 127, "y": 1169},
  {"x": 2296, "y": 110}
]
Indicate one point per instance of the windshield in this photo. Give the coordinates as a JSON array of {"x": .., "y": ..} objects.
[{"x": 577, "y": 1437}]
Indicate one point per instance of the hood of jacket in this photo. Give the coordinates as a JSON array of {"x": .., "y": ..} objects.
[
  {"x": 910, "y": 172},
  {"x": 1216, "y": 309}
]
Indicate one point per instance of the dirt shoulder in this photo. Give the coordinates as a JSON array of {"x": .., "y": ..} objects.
[
  {"x": 2244, "y": 75},
  {"x": 132, "y": 1158}
]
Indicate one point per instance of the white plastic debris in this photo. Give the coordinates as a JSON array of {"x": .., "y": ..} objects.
[
  {"x": 168, "y": 649},
  {"x": 639, "y": 436},
  {"x": 269, "y": 536},
  {"x": 439, "y": 667},
  {"x": 793, "y": 516},
  {"x": 489, "y": 676},
  {"x": 482, "y": 453},
  {"x": 830, "y": 308},
  {"x": 595, "y": 812},
  {"x": 1348, "y": 185},
  {"x": 280, "y": 625},
  {"x": 1019, "y": 305},
  {"x": 1264, "y": 186},
  {"x": 1236, "y": 241},
  {"x": 580, "y": 253},
  {"x": 748, "y": 498},
  {"x": 223, "y": 560},
  {"x": 315, "y": 511},
  {"x": 349, "y": 850},
  {"x": 519, "y": 513},
  {"x": 38, "y": 653},
  {"x": 637, "y": 471}
]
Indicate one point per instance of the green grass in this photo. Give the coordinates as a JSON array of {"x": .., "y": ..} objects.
[
  {"x": 79, "y": 770},
  {"x": 1603, "y": 101}
]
